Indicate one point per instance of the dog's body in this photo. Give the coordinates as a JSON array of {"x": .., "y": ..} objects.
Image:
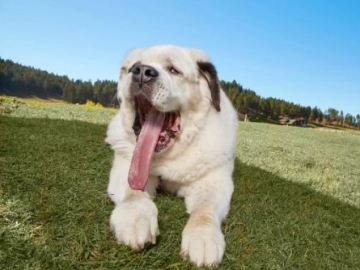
[{"x": 193, "y": 156}]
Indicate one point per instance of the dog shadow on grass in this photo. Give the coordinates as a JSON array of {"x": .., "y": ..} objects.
[
  {"x": 275, "y": 223},
  {"x": 55, "y": 174}
]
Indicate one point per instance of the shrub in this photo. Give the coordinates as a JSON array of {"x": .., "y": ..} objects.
[{"x": 93, "y": 105}]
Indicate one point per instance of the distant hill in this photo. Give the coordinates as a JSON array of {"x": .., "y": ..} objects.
[
  {"x": 273, "y": 110},
  {"x": 25, "y": 81}
]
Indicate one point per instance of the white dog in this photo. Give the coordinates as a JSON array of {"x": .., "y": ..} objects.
[{"x": 175, "y": 128}]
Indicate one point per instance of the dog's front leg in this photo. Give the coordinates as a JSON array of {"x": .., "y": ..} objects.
[
  {"x": 207, "y": 200},
  {"x": 134, "y": 219}
]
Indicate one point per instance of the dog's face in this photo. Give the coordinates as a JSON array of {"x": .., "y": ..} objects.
[
  {"x": 169, "y": 77},
  {"x": 169, "y": 80}
]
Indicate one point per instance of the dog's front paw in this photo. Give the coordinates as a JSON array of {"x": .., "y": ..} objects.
[
  {"x": 134, "y": 223},
  {"x": 203, "y": 244}
]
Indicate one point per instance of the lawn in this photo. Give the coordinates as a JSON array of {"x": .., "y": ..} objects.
[
  {"x": 324, "y": 159},
  {"x": 285, "y": 212},
  {"x": 54, "y": 109}
]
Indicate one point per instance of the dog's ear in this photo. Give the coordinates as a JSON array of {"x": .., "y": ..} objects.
[{"x": 208, "y": 71}]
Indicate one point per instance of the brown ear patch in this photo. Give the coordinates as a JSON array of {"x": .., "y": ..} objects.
[{"x": 208, "y": 71}]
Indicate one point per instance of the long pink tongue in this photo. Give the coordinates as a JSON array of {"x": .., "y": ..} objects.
[{"x": 144, "y": 149}]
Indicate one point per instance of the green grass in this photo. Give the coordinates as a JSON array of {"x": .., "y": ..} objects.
[
  {"x": 325, "y": 160},
  {"x": 55, "y": 211},
  {"x": 53, "y": 109}
]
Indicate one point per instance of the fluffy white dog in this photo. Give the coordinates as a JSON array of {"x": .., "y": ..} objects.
[{"x": 175, "y": 128}]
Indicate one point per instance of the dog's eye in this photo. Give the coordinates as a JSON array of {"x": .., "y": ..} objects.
[
  {"x": 173, "y": 70},
  {"x": 130, "y": 69}
]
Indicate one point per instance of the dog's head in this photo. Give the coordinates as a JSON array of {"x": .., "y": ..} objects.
[
  {"x": 170, "y": 78},
  {"x": 164, "y": 87}
]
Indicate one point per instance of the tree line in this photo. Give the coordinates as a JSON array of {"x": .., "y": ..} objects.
[
  {"x": 24, "y": 81},
  {"x": 247, "y": 102}
]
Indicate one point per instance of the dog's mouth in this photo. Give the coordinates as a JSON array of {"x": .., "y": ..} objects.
[
  {"x": 155, "y": 131},
  {"x": 169, "y": 122}
]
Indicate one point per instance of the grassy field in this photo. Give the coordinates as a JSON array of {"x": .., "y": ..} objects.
[
  {"x": 295, "y": 205},
  {"x": 54, "y": 109},
  {"x": 326, "y": 160}
]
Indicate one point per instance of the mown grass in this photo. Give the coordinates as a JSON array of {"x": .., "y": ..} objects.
[
  {"x": 54, "y": 210},
  {"x": 324, "y": 159},
  {"x": 54, "y": 109}
]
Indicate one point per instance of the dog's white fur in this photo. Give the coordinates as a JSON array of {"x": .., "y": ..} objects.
[{"x": 198, "y": 166}]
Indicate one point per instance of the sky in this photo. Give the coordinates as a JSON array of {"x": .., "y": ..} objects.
[{"x": 307, "y": 52}]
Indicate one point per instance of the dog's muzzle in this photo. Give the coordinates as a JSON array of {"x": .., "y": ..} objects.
[{"x": 143, "y": 74}]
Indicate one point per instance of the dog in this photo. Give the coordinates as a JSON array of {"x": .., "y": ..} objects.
[{"x": 176, "y": 129}]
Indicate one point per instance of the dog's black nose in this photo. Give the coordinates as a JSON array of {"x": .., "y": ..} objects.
[{"x": 143, "y": 73}]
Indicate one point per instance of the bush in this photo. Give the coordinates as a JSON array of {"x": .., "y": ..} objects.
[{"x": 93, "y": 105}]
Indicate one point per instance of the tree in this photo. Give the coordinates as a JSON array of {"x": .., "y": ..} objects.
[
  {"x": 320, "y": 116},
  {"x": 341, "y": 118},
  {"x": 314, "y": 114},
  {"x": 349, "y": 119},
  {"x": 333, "y": 114}
]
